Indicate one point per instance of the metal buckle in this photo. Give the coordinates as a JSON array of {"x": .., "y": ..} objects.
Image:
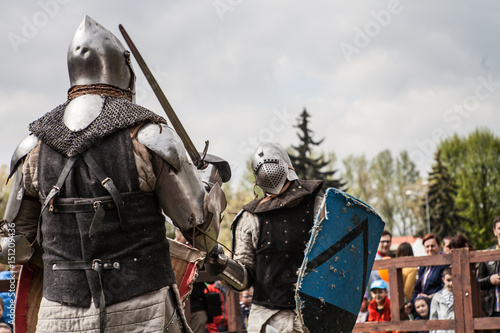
[
  {"x": 107, "y": 179},
  {"x": 96, "y": 265},
  {"x": 96, "y": 205}
]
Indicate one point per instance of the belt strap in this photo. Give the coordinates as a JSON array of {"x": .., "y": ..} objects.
[
  {"x": 82, "y": 207},
  {"x": 53, "y": 193},
  {"x": 109, "y": 185},
  {"x": 97, "y": 265}
]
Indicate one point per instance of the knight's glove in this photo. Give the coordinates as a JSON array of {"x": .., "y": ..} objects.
[{"x": 216, "y": 261}]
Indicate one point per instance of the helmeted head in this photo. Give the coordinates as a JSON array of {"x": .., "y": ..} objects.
[
  {"x": 96, "y": 56},
  {"x": 271, "y": 167}
]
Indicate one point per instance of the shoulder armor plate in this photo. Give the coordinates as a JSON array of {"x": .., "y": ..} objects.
[
  {"x": 22, "y": 150},
  {"x": 163, "y": 141}
]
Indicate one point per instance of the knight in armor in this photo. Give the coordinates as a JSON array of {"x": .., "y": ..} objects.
[
  {"x": 89, "y": 187},
  {"x": 269, "y": 238}
]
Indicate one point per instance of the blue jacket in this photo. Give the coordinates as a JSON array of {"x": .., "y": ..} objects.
[{"x": 433, "y": 284}]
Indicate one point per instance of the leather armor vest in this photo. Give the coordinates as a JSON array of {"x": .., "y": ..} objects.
[
  {"x": 284, "y": 225},
  {"x": 138, "y": 251}
]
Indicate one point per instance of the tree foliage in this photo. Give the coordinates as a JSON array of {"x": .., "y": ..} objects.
[
  {"x": 307, "y": 163},
  {"x": 473, "y": 162},
  {"x": 444, "y": 216},
  {"x": 381, "y": 183}
]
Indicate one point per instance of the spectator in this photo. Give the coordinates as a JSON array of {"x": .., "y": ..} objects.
[
  {"x": 384, "y": 247},
  {"x": 459, "y": 241},
  {"x": 422, "y": 308},
  {"x": 442, "y": 306},
  {"x": 409, "y": 273},
  {"x": 246, "y": 305},
  {"x": 446, "y": 244},
  {"x": 379, "y": 308},
  {"x": 429, "y": 278},
  {"x": 489, "y": 278},
  {"x": 363, "y": 311},
  {"x": 218, "y": 323},
  {"x": 7, "y": 297},
  {"x": 4, "y": 328}
]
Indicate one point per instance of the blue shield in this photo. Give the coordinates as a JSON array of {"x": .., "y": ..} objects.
[{"x": 337, "y": 263}]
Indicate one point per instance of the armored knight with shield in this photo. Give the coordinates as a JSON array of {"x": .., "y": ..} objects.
[
  {"x": 89, "y": 187},
  {"x": 269, "y": 238}
]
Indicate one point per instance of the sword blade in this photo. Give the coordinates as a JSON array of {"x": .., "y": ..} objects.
[{"x": 188, "y": 144}]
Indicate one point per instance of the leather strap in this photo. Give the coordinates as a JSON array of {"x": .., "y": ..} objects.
[
  {"x": 97, "y": 265},
  {"x": 82, "y": 208},
  {"x": 53, "y": 193},
  {"x": 109, "y": 185}
]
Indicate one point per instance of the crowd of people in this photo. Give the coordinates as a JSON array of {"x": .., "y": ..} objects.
[{"x": 428, "y": 290}]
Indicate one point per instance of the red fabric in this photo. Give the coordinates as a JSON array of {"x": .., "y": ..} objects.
[
  {"x": 22, "y": 302},
  {"x": 374, "y": 315},
  {"x": 218, "y": 321},
  {"x": 187, "y": 280},
  {"x": 382, "y": 255}
]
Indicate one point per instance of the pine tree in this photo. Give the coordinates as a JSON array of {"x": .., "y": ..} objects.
[
  {"x": 445, "y": 219},
  {"x": 307, "y": 164}
]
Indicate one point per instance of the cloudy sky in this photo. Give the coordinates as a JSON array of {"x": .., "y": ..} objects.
[{"x": 374, "y": 75}]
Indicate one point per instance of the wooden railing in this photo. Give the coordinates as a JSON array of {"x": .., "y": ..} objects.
[
  {"x": 466, "y": 294},
  {"x": 468, "y": 313}
]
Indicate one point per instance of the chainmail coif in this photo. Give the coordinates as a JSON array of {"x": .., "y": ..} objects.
[{"x": 116, "y": 114}]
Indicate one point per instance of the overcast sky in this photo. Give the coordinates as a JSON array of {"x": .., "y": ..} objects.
[{"x": 374, "y": 75}]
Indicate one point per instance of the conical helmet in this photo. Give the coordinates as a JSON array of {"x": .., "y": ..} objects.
[
  {"x": 271, "y": 166},
  {"x": 96, "y": 56}
]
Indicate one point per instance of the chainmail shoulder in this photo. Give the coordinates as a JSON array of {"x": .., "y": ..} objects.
[{"x": 116, "y": 114}]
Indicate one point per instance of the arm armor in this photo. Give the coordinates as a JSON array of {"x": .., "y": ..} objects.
[
  {"x": 15, "y": 247},
  {"x": 179, "y": 189},
  {"x": 231, "y": 271}
]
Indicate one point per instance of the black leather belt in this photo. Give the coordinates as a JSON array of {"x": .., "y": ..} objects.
[
  {"x": 97, "y": 265},
  {"x": 82, "y": 207}
]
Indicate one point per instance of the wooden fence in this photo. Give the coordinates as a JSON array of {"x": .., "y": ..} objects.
[
  {"x": 466, "y": 294},
  {"x": 468, "y": 313}
]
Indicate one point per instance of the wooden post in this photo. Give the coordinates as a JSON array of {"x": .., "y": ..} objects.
[
  {"x": 233, "y": 311},
  {"x": 467, "y": 290},
  {"x": 458, "y": 294}
]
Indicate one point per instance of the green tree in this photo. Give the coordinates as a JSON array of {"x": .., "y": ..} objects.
[
  {"x": 474, "y": 163},
  {"x": 307, "y": 163},
  {"x": 358, "y": 178},
  {"x": 381, "y": 183},
  {"x": 445, "y": 219}
]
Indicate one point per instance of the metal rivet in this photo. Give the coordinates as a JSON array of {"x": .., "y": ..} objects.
[
  {"x": 116, "y": 265},
  {"x": 54, "y": 266},
  {"x": 135, "y": 259},
  {"x": 106, "y": 265}
]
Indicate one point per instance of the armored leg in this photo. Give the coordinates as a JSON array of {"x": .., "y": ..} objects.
[{"x": 175, "y": 321}]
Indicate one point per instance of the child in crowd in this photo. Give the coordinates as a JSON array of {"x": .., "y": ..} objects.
[
  {"x": 422, "y": 307},
  {"x": 442, "y": 306},
  {"x": 379, "y": 308},
  {"x": 363, "y": 311}
]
